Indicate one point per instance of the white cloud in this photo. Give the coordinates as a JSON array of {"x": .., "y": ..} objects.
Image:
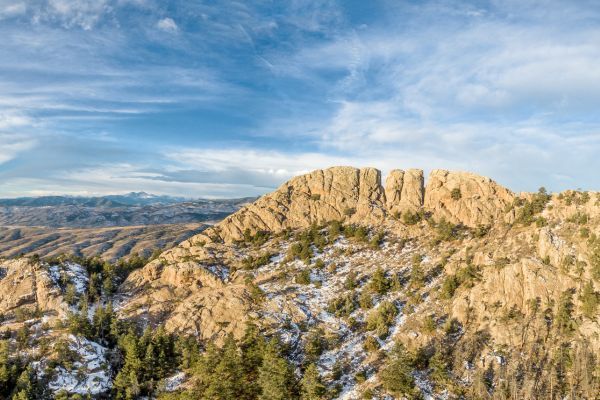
[
  {"x": 81, "y": 13},
  {"x": 11, "y": 9},
  {"x": 13, "y": 144},
  {"x": 167, "y": 25}
]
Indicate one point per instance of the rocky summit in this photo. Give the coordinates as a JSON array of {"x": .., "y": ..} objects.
[{"x": 445, "y": 287}]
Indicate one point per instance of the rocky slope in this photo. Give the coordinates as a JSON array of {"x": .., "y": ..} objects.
[
  {"x": 497, "y": 272},
  {"x": 493, "y": 294}
]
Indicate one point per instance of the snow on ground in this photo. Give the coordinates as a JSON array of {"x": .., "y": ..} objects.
[
  {"x": 288, "y": 300},
  {"x": 174, "y": 382},
  {"x": 76, "y": 274},
  {"x": 90, "y": 374},
  {"x": 221, "y": 271}
]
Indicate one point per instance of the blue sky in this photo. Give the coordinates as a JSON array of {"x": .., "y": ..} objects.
[{"x": 226, "y": 98}]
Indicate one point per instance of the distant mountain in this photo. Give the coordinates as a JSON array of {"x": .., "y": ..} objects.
[
  {"x": 115, "y": 210},
  {"x": 119, "y": 200}
]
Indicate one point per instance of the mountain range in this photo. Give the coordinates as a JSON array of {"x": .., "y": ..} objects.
[{"x": 335, "y": 285}]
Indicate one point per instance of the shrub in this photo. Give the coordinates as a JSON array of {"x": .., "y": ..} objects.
[
  {"x": 382, "y": 318},
  {"x": 302, "y": 277},
  {"x": 365, "y": 301},
  {"x": 356, "y": 232},
  {"x": 342, "y": 306},
  {"x": 333, "y": 230},
  {"x": 449, "y": 286},
  {"x": 350, "y": 282},
  {"x": 446, "y": 230},
  {"x": 251, "y": 262},
  {"x": 410, "y": 218},
  {"x": 589, "y": 300},
  {"x": 429, "y": 324},
  {"x": 258, "y": 239},
  {"x": 529, "y": 209},
  {"x": 371, "y": 344},
  {"x": 455, "y": 194},
  {"x": 315, "y": 196},
  {"x": 379, "y": 283},
  {"x": 376, "y": 240},
  {"x": 397, "y": 377},
  {"x": 349, "y": 211}
]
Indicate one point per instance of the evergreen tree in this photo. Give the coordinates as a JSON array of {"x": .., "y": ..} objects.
[
  {"x": 396, "y": 376},
  {"x": 276, "y": 378},
  {"x": 226, "y": 381},
  {"x": 312, "y": 387},
  {"x": 379, "y": 283},
  {"x": 252, "y": 348}
]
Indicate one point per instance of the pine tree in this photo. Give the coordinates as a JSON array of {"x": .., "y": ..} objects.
[
  {"x": 379, "y": 283},
  {"x": 396, "y": 376},
  {"x": 312, "y": 387},
  {"x": 252, "y": 347},
  {"x": 276, "y": 378},
  {"x": 226, "y": 382}
]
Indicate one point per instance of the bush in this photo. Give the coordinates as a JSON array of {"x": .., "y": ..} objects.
[
  {"x": 446, "y": 230},
  {"x": 315, "y": 196},
  {"x": 351, "y": 282},
  {"x": 356, "y": 232},
  {"x": 365, "y": 301},
  {"x": 250, "y": 262},
  {"x": 349, "y": 211},
  {"x": 342, "y": 306},
  {"x": 410, "y": 218},
  {"x": 382, "y": 318},
  {"x": 258, "y": 239},
  {"x": 302, "y": 277},
  {"x": 371, "y": 344},
  {"x": 529, "y": 209},
  {"x": 449, "y": 286},
  {"x": 589, "y": 300},
  {"x": 379, "y": 283},
  {"x": 376, "y": 240},
  {"x": 334, "y": 229},
  {"x": 455, "y": 194}
]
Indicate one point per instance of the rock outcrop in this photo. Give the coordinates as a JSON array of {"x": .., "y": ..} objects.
[
  {"x": 466, "y": 198},
  {"x": 404, "y": 190},
  {"x": 337, "y": 193},
  {"x": 357, "y": 196},
  {"x": 28, "y": 286}
]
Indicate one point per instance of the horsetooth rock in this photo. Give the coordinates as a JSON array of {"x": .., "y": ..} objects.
[{"x": 357, "y": 196}]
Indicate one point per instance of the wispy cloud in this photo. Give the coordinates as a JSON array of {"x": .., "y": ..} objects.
[
  {"x": 197, "y": 100},
  {"x": 167, "y": 25}
]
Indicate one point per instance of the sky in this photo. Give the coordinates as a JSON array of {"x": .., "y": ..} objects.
[{"x": 226, "y": 99}]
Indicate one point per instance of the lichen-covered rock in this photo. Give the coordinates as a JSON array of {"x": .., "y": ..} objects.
[
  {"x": 466, "y": 198},
  {"x": 338, "y": 193},
  {"x": 27, "y": 284},
  {"x": 187, "y": 297},
  {"x": 404, "y": 190}
]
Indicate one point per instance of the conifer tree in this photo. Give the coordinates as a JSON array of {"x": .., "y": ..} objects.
[
  {"x": 226, "y": 381},
  {"x": 397, "y": 374},
  {"x": 312, "y": 387},
  {"x": 276, "y": 378}
]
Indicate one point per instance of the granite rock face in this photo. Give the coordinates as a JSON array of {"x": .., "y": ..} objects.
[
  {"x": 466, "y": 198},
  {"x": 357, "y": 196}
]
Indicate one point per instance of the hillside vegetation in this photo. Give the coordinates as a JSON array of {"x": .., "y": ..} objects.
[{"x": 333, "y": 286}]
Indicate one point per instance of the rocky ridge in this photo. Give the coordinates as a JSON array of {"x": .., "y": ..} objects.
[{"x": 490, "y": 291}]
